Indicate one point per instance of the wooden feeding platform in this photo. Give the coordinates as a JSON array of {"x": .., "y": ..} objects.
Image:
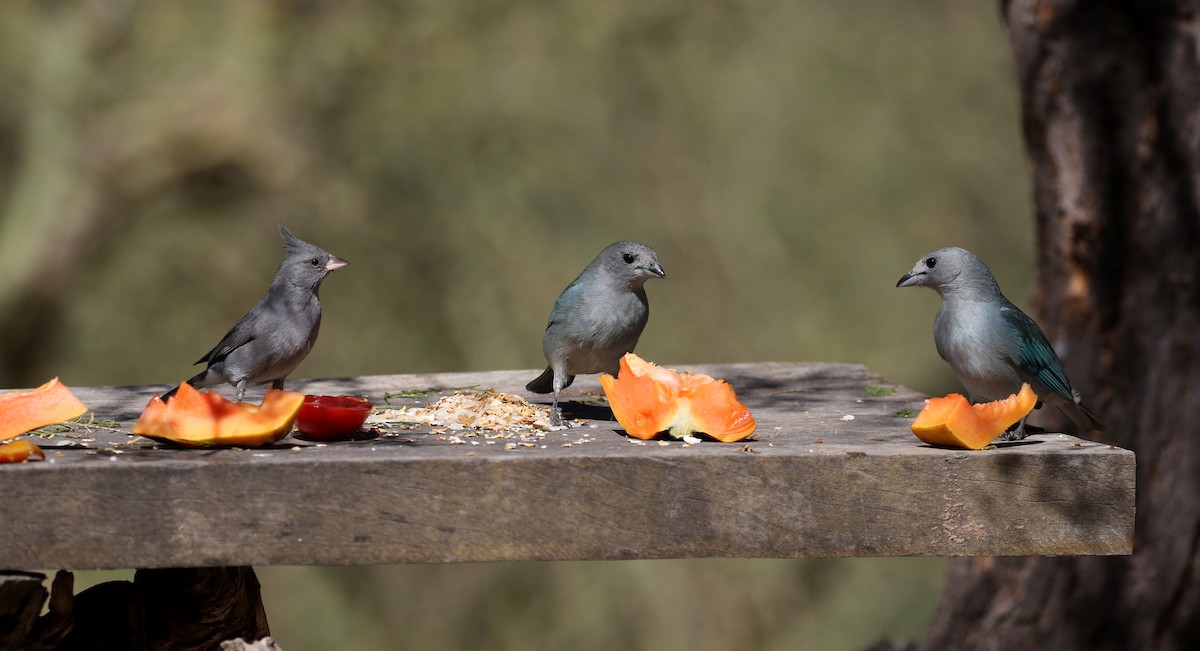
[{"x": 834, "y": 471}]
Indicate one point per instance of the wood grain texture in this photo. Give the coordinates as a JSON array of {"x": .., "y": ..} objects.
[{"x": 815, "y": 483}]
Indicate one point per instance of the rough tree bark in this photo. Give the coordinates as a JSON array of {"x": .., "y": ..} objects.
[{"x": 1110, "y": 97}]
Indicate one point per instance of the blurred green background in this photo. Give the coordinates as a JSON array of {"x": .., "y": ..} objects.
[{"x": 788, "y": 160}]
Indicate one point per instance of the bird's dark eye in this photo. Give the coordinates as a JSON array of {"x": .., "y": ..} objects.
[
  {"x": 628, "y": 258},
  {"x": 931, "y": 262},
  {"x": 316, "y": 262}
]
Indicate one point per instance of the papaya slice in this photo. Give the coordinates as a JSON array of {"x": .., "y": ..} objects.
[
  {"x": 18, "y": 451},
  {"x": 206, "y": 419},
  {"x": 715, "y": 410},
  {"x": 51, "y": 403},
  {"x": 648, "y": 399},
  {"x": 954, "y": 422},
  {"x": 643, "y": 397}
]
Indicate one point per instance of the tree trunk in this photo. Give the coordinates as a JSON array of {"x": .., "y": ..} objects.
[
  {"x": 1110, "y": 97},
  {"x": 160, "y": 610}
]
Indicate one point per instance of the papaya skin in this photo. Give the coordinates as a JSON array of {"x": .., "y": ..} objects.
[
  {"x": 953, "y": 422},
  {"x": 206, "y": 419},
  {"x": 643, "y": 404},
  {"x": 716, "y": 409},
  {"x": 18, "y": 451},
  {"x": 648, "y": 400},
  {"x": 49, "y": 404}
]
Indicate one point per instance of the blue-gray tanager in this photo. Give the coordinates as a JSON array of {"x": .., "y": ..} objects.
[
  {"x": 992, "y": 346},
  {"x": 597, "y": 318},
  {"x": 269, "y": 342}
]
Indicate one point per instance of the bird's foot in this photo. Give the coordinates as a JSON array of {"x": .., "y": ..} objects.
[
  {"x": 1020, "y": 430},
  {"x": 556, "y": 418},
  {"x": 1014, "y": 434}
]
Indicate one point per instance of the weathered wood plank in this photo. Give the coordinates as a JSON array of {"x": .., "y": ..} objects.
[{"x": 816, "y": 483}]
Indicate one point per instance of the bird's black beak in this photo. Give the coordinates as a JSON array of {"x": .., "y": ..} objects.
[
  {"x": 657, "y": 270},
  {"x": 907, "y": 280}
]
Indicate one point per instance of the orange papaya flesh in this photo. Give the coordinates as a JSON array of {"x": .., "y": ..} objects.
[
  {"x": 669, "y": 378},
  {"x": 644, "y": 401},
  {"x": 715, "y": 409},
  {"x": 648, "y": 399},
  {"x": 18, "y": 451},
  {"x": 953, "y": 422},
  {"x": 49, "y": 404},
  {"x": 206, "y": 419}
]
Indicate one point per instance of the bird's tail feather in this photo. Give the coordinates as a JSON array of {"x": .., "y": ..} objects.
[
  {"x": 1083, "y": 418},
  {"x": 544, "y": 382}
]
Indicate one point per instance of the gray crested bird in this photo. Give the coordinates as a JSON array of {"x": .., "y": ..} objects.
[
  {"x": 597, "y": 318},
  {"x": 272, "y": 339},
  {"x": 992, "y": 346}
]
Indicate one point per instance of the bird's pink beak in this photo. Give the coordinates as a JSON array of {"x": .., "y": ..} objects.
[{"x": 335, "y": 263}]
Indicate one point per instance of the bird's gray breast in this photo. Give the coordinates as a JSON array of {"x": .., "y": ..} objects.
[
  {"x": 599, "y": 328},
  {"x": 977, "y": 344}
]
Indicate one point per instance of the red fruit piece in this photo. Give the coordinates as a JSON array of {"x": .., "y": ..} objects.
[{"x": 332, "y": 417}]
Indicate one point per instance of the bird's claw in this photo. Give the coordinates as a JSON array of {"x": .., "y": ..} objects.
[{"x": 1015, "y": 434}]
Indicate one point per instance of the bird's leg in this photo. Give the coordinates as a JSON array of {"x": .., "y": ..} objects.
[
  {"x": 278, "y": 384},
  {"x": 1018, "y": 432},
  {"x": 561, "y": 380},
  {"x": 555, "y": 415},
  {"x": 1021, "y": 430},
  {"x": 240, "y": 388}
]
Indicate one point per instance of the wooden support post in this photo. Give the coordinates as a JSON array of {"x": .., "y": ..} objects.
[
  {"x": 177, "y": 609},
  {"x": 21, "y": 599}
]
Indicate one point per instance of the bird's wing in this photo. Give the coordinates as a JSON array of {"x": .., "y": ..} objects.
[
  {"x": 239, "y": 335},
  {"x": 567, "y": 304},
  {"x": 1033, "y": 356}
]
